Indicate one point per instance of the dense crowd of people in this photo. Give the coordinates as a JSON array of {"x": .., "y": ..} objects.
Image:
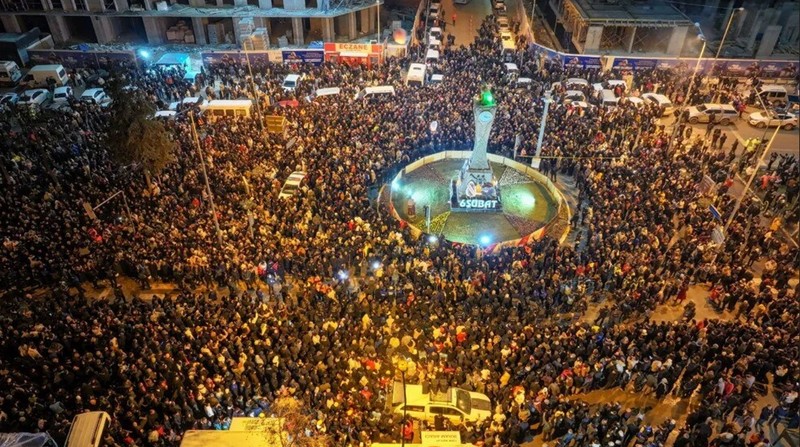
[{"x": 319, "y": 295}]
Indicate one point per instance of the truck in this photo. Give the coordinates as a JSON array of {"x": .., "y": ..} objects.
[{"x": 458, "y": 405}]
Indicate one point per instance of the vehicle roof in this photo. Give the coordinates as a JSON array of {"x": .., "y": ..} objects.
[
  {"x": 91, "y": 91},
  {"x": 292, "y": 77},
  {"x": 574, "y": 92},
  {"x": 511, "y": 66},
  {"x": 717, "y": 105},
  {"x": 580, "y": 81},
  {"x": 379, "y": 89},
  {"x": 47, "y": 67},
  {"x": 437, "y": 77},
  {"x": 772, "y": 88},
  {"x": 62, "y": 88},
  {"x": 417, "y": 66},
  {"x": 328, "y": 91},
  {"x": 432, "y": 54}
]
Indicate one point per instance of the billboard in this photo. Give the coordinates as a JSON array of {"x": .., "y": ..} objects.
[
  {"x": 582, "y": 61},
  {"x": 72, "y": 59},
  {"x": 240, "y": 57},
  {"x": 313, "y": 57}
]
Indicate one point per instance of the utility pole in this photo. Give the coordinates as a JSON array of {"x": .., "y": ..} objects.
[
  {"x": 257, "y": 99},
  {"x": 750, "y": 180},
  {"x": 205, "y": 176},
  {"x": 537, "y": 159},
  {"x": 677, "y": 125}
]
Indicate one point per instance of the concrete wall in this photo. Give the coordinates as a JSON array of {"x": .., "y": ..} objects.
[
  {"x": 768, "y": 41},
  {"x": 676, "y": 40},
  {"x": 593, "y": 36},
  {"x": 12, "y": 24},
  {"x": 58, "y": 28},
  {"x": 107, "y": 28},
  {"x": 156, "y": 29},
  {"x": 294, "y": 5}
]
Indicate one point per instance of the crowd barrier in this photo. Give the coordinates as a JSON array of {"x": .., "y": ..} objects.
[{"x": 738, "y": 68}]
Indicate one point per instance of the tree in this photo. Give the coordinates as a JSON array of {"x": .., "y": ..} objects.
[
  {"x": 133, "y": 135},
  {"x": 295, "y": 427}
]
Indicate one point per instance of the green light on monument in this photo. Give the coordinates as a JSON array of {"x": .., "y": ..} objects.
[{"x": 487, "y": 99}]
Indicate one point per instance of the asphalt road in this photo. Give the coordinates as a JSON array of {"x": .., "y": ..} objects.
[{"x": 787, "y": 141}]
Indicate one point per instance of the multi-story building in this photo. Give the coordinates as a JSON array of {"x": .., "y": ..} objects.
[
  {"x": 192, "y": 21},
  {"x": 664, "y": 27}
]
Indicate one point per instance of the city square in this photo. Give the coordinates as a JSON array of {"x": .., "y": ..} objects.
[{"x": 451, "y": 234}]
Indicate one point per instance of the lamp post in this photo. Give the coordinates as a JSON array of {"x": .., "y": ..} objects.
[
  {"x": 378, "y": 25},
  {"x": 205, "y": 176},
  {"x": 537, "y": 158},
  {"x": 402, "y": 365},
  {"x": 702, "y": 37},
  {"x": 727, "y": 28}
]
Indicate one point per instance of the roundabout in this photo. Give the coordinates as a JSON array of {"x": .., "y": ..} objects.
[{"x": 531, "y": 204}]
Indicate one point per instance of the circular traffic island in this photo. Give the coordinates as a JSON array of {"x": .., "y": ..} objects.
[{"x": 529, "y": 205}]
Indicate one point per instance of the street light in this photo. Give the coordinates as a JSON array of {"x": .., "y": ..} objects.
[
  {"x": 402, "y": 365},
  {"x": 727, "y": 28},
  {"x": 537, "y": 159},
  {"x": 378, "y": 26},
  {"x": 688, "y": 95}
]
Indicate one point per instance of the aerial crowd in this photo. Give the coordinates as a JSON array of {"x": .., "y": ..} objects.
[{"x": 319, "y": 295}]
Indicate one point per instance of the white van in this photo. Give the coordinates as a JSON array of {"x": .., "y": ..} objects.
[
  {"x": 379, "y": 90},
  {"x": 328, "y": 91},
  {"x": 431, "y": 56},
  {"x": 608, "y": 98},
  {"x": 416, "y": 75},
  {"x": 773, "y": 94},
  {"x": 87, "y": 429},
  {"x": 9, "y": 73},
  {"x": 227, "y": 107},
  {"x": 436, "y": 32},
  {"x": 455, "y": 404},
  {"x": 660, "y": 100},
  {"x": 291, "y": 82},
  {"x": 39, "y": 74},
  {"x": 186, "y": 103}
]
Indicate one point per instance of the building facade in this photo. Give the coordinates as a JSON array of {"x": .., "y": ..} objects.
[{"x": 292, "y": 22}]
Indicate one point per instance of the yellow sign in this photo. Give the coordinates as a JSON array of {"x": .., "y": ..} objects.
[{"x": 276, "y": 123}]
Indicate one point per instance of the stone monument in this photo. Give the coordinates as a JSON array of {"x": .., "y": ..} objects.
[{"x": 475, "y": 188}]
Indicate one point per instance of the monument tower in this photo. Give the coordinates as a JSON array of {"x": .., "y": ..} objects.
[{"x": 475, "y": 188}]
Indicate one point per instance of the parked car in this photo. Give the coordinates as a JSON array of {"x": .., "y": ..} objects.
[
  {"x": 62, "y": 94},
  {"x": 435, "y": 10},
  {"x": 9, "y": 99},
  {"x": 292, "y": 184},
  {"x": 660, "y": 100},
  {"x": 723, "y": 113},
  {"x": 95, "y": 95},
  {"x": 35, "y": 96},
  {"x": 761, "y": 120}
]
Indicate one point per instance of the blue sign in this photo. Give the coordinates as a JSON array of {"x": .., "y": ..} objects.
[
  {"x": 313, "y": 57},
  {"x": 237, "y": 57},
  {"x": 576, "y": 60}
]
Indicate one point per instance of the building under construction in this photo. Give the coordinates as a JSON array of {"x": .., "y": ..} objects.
[
  {"x": 619, "y": 26},
  {"x": 283, "y": 22}
]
